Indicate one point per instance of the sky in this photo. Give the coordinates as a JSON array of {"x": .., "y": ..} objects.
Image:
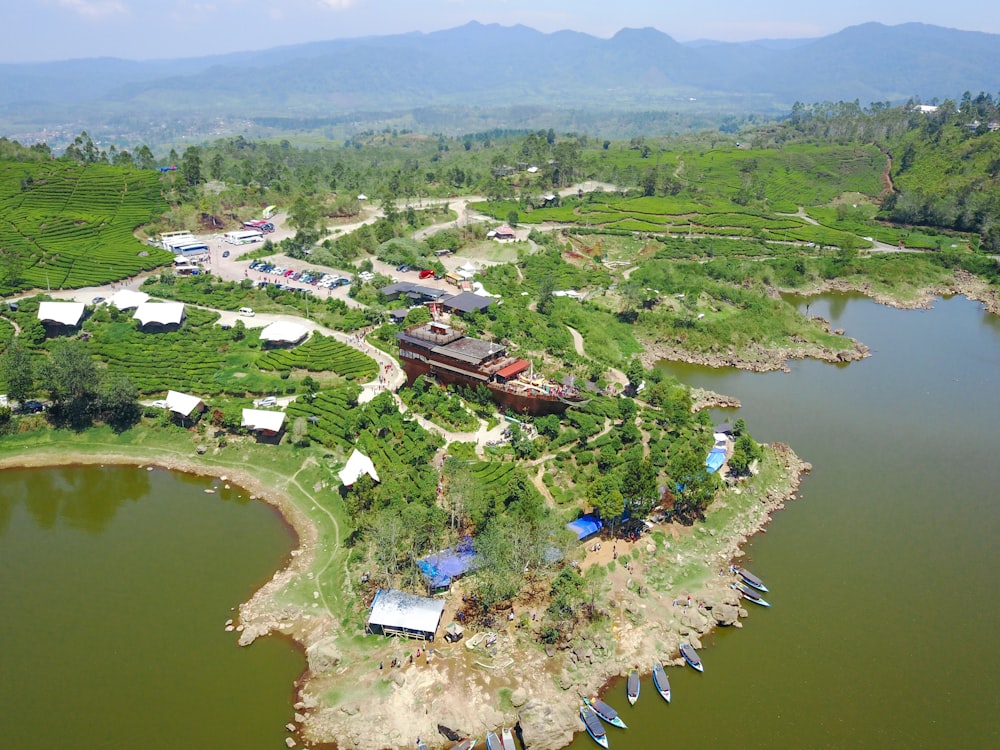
[{"x": 36, "y": 30}]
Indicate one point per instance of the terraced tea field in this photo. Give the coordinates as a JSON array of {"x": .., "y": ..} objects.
[
  {"x": 65, "y": 225},
  {"x": 322, "y": 354}
]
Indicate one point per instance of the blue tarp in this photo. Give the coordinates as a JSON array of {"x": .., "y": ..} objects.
[
  {"x": 716, "y": 457},
  {"x": 585, "y": 526},
  {"x": 441, "y": 568}
]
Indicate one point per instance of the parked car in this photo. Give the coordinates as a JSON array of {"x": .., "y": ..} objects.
[
  {"x": 33, "y": 407},
  {"x": 97, "y": 300},
  {"x": 366, "y": 276},
  {"x": 267, "y": 402},
  {"x": 426, "y": 273},
  {"x": 402, "y": 267},
  {"x": 225, "y": 253},
  {"x": 246, "y": 312}
]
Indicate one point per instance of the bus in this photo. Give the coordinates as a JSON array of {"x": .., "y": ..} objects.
[{"x": 243, "y": 238}]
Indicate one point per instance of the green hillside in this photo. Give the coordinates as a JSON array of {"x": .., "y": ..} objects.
[{"x": 71, "y": 225}]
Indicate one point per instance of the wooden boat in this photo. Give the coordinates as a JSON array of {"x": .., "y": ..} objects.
[
  {"x": 748, "y": 593},
  {"x": 493, "y": 742},
  {"x": 750, "y": 579},
  {"x": 606, "y": 712},
  {"x": 691, "y": 657},
  {"x": 632, "y": 688},
  {"x": 465, "y": 744},
  {"x": 507, "y": 739},
  {"x": 661, "y": 682},
  {"x": 594, "y": 726}
]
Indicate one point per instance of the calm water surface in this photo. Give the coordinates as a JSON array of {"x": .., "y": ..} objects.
[
  {"x": 116, "y": 583},
  {"x": 882, "y": 632}
]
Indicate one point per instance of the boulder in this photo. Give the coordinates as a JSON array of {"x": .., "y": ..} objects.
[
  {"x": 541, "y": 726},
  {"x": 323, "y": 656},
  {"x": 519, "y": 697},
  {"x": 725, "y": 614}
]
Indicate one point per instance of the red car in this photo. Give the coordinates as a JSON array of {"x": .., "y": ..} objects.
[{"x": 426, "y": 273}]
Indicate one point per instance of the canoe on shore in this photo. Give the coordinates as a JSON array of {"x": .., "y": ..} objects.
[
  {"x": 633, "y": 686},
  {"x": 507, "y": 739},
  {"x": 750, "y": 579},
  {"x": 465, "y": 744},
  {"x": 606, "y": 712},
  {"x": 493, "y": 742},
  {"x": 748, "y": 593},
  {"x": 661, "y": 682},
  {"x": 594, "y": 726},
  {"x": 691, "y": 657}
]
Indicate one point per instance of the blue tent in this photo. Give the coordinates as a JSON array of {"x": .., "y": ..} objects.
[
  {"x": 716, "y": 457},
  {"x": 585, "y": 526},
  {"x": 441, "y": 568}
]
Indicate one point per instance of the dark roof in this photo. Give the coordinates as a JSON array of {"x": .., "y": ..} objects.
[
  {"x": 470, "y": 350},
  {"x": 398, "y": 314},
  {"x": 467, "y": 302},
  {"x": 413, "y": 291}
]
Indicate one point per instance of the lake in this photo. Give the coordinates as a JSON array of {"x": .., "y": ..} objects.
[
  {"x": 116, "y": 584},
  {"x": 883, "y": 579}
]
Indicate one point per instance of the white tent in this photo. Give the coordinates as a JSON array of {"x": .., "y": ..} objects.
[
  {"x": 182, "y": 403},
  {"x": 164, "y": 313},
  {"x": 284, "y": 332},
  {"x": 398, "y": 613},
  {"x": 260, "y": 420},
  {"x": 63, "y": 313},
  {"x": 357, "y": 464},
  {"x": 126, "y": 299}
]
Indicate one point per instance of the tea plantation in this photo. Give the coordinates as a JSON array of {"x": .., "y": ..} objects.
[{"x": 65, "y": 225}]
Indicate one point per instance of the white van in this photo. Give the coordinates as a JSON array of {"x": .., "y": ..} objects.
[{"x": 246, "y": 312}]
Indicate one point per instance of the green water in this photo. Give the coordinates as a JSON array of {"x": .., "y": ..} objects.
[
  {"x": 883, "y": 576},
  {"x": 116, "y": 583}
]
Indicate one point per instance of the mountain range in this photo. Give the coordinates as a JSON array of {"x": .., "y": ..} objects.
[{"x": 496, "y": 67}]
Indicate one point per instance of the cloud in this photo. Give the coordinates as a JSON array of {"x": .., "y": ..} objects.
[
  {"x": 95, "y": 8},
  {"x": 338, "y": 4}
]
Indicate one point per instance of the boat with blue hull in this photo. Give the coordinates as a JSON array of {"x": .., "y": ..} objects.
[
  {"x": 750, "y": 579},
  {"x": 751, "y": 595},
  {"x": 466, "y": 744},
  {"x": 594, "y": 726},
  {"x": 606, "y": 712},
  {"x": 632, "y": 688},
  {"x": 493, "y": 742},
  {"x": 691, "y": 657},
  {"x": 661, "y": 682}
]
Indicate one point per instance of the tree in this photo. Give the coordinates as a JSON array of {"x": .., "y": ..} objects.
[
  {"x": 190, "y": 168},
  {"x": 692, "y": 485},
  {"x": 18, "y": 371},
  {"x": 119, "y": 402},
  {"x": 72, "y": 380}
]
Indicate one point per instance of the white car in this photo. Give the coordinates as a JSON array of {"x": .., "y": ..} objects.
[
  {"x": 267, "y": 401},
  {"x": 366, "y": 276},
  {"x": 246, "y": 312}
]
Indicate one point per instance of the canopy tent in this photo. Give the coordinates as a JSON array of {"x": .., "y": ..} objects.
[
  {"x": 441, "y": 568},
  {"x": 716, "y": 457},
  {"x": 284, "y": 332},
  {"x": 126, "y": 299},
  {"x": 398, "y": 613},
  {"x": 585, "y": 526},
  {"x": 183, "y": 403},
  {"x": 357, "y": 464},
  {"x": 261, "y": 420},
  {"x": 62, "y": 313},
  {"x": 161, "y": 313}
]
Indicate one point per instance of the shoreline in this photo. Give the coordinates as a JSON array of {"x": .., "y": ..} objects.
[{"x": 458, "y": 683}]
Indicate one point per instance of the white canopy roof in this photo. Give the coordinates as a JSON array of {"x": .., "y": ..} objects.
[
  {"x": 182, "y": 403},
  {"x": 125, "y": 299},
  {"x": 399, "y": 610},
  {"x": 262, "y": 420},
  {"x": 285, "y": 332},
  {"x": 357, "y": 464},
  {"x": 64, "y": 313},
  {"x": 164, "y": 313}
]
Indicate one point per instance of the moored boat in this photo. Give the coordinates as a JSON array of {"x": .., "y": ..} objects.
[
  {"x": 691, "y": 657},
  {"x": 750, "y": 579},
  {"x": 466, "y": 744},
  {"x": 661, "y": 682},
  {"x": 507, "y": 739},
  {"x": 493, "y": 742},
  {"x": 748, "y": 593},
  {"x": 421, "y": 745},
  {"x": 606, "y": 712},
  {"x": 633, "y": 686},
  {"x": 594, "y": 726}
]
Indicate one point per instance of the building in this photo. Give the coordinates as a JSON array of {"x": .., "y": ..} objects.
[
  {"x": 161, "y": 314},
  {"x": 126, "y": 299},
  {"x": 265, "y": 424},
  {"x": 61, "y": 314},
  {"x": 502, "y": 233},
  {"x": 466, "y": 302},
  {"x": 408, "y": 615},
  {"x": 417, "y": 293},
  {"x": 358, "y": 464},
  {"x": 283, "y": 333},
  {"x": 182, "y": 405}
]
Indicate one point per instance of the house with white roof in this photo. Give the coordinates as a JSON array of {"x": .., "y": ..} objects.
[
  {"x": 357, "y": 465},
  {"x": 266, "y": 424},
  {"x": 185, "y": 406},
  {"x": 283, "y": 333},
  {"x": 67, "y": 314},
  {"x": 160, "y": 313},
  {"x": 126, "y": 299}
]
